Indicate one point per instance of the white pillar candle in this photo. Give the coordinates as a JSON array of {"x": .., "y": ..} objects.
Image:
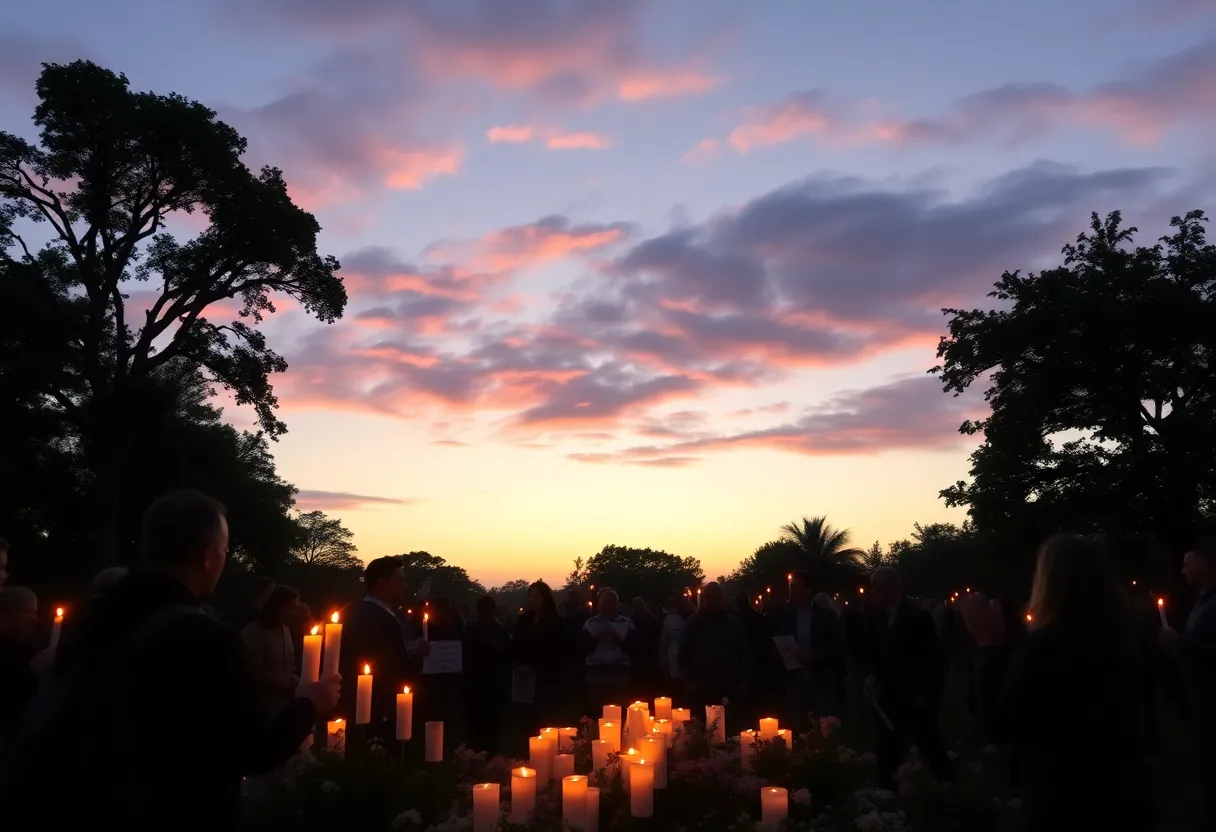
[
  {"x": 563, "y": 766},
  {"x": 1160, "y": 612},
  {"x": 610, "y": 732},
  {"x": 333, "y": 645},
  {"x": 662, "y": 707},
  {"x": 405, "y": 715},
  {"x": 485, "y": 806},
  {"x": 636, "y": 724},
  {"x": 523, "y": 794},
  {"x": 747, "y": 749},
  {"x": 768, "y": 729},
  {"x": 554, "y": 739},
  {"x": 335, "y": 736},
  {"x": 654, "y": 748},
  {"x": 540, "y": 758},
  {"x": 715, "y": 723},
  {"x": 641, "y": 789},
  {"x": 664, "y": 727},
  {"x": 612, "y": 713},
  {"x": 363, "y": 697},
  {"x": 786, "y": 736},
  {"x": 426, "y": 626},
  {"x": 626, "y": 761},
  {"x": 574, "y": 800},
  {"x": 600, "y": 749},
  {"x": 774, "y": 805},
  {"x": 57, "y": 627},
  {"x": 434, "y": 742},
  {"x": 680, "y": 717},
  {"x": 591, "y": 822},
  {"x": 566, "y": 738},
  {"x": 311, "y": 664}
]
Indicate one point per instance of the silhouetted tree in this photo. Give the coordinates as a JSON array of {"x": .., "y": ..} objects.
[
  {"x": 824, "y": 551},
  {"x": 440, "y": 578},
  {"x": 111, "y": 170},
  {"x": 1102, "y": 382},
  {"x": 578, "y": 576},
  {"x": 651, "y": 573},
  {"x": 324, "y": 541}
]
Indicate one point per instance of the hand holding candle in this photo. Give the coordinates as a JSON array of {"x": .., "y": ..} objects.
[
  {"x": 1161, "y": 612},
  {"x": 426, "y": 626},
  {"x": 57, "y": 627}
]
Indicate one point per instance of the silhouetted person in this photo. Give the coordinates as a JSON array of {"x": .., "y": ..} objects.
[
  {"x": 1071, "y": 695},
  {"x": 813, "y": 687},
  {"x": 262, "y": 587},
  {"x": 541, "y": 646},
  {"x": 669, "y": 638},
  {"x": 376, "y": 634},
  {"x": 760, "y": 645},
  {"x": 154, "y": 717},
  {"x": 907, "y": 675},
  {"x": 715, "y": 659},
  {"x": 18, "y": 680},
  {"x": 272, "y": 654},
  {"x": 487, "y": 676},
  {"x": 1196, "y": 649},
  {"x": 646, "y": 665},
  {"x": 608, "y": 643}
]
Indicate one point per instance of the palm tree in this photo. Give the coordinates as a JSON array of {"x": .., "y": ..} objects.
[{"x": 825, "y": 550}]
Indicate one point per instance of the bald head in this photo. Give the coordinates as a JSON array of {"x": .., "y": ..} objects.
[
  {"x": 712, "y": 597},
  {"x": 18, "y": 611}
]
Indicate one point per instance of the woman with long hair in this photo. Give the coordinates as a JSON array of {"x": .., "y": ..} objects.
[
  {"x": 541, "y": 650},
  {"x": 271, "y": 652},
  {"x": 1071, "y": 695}
]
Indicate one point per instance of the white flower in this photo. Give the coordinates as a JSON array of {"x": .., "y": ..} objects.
[
  {"x": 410, "y": 817},
  {"x": 802, "y": 796}
]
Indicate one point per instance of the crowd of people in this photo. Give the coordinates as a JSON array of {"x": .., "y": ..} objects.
[{"x": 154, "y": 709}]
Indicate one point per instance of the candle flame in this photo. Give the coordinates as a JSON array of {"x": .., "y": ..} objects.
[
  {"x": 1029, "y": 617},
  {"x": 59, "y": 612},
  {"x": 426, "y": 616},
  {"x": 1161, "y": 602},
  {"x": 861, "y": 590},
  {"x": 968, "y": 589},
  {"x": 333, "y": 618},
  {"x": 367, "y": 669},
  {"x": 632, "y": 751},
  {"x": 407, "y": 689},
  {"x": 315, "y": 630},
  {"x": 339, "y": 719}
]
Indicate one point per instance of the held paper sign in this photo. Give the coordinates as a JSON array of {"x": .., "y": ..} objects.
[
  {"x": 445, "y": 657},
  {"x": 787, "y": 645}
]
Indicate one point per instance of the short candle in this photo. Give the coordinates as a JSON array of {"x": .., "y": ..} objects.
[
  {"x": 486, "y": 797},
  {"x": 591, "y": 822},
  {"x": 434, "y": 742},
  {"x": 774, "y": 805},
  {"x": 574, "y": 800},
  {"x": 363, "y": 697},
  {"x": 523, "y": 794},
  {"x": 405, "y": 715},
  {"x": 641, "y": 789}
]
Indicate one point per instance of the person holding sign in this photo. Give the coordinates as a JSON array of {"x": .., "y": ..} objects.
[{"x": 375, "y": 633}]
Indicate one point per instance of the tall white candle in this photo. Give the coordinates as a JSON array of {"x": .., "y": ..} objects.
[
  {"x": 363, "y": 697},
  {"x": 563, "y": 766},
  {"x": 715, "y": 723},
  {"x": 768, "y": 729},
  {"x": 434, "y": 742},
  {"x": 600, "y": 749},
  {"x": 485, "y": 806},
  {"x": 610, "y": 732},
  {"x": 554, "y": 738},
  {"x": 540, "y": 758},
  {"x": 333, "y": 645},
  {"x": 747, "y": 749},
  {"x": 566, "y": 738},
  {"x": 662, "y": 707},
  {"x": 612, "y": 713},
  {"x": 680, "y": 717},
  {"x": 786, "y": 736},
  {"x": 311, "y": 664},
  {"x": 664, "y": 727},
  {"x": 591, "y": 822},
  {"x": 335, "y": 736},
  {"x": 641, "y": 789},
  {"x": 626, "y": 761},
  {"x": 56, "y": 627},
  {"x": 405, "y": 715},
  {"x": 426, "y": 626},
  {"x": 1161, "y": 612},
  {"x": 574, "y": 801},
  {"x": 654, "y": 748},
  {"x": 523, "y": 794},
  {"x": 774, "y": 805}
]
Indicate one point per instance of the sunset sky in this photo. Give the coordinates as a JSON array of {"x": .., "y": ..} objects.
[{"x": 660, "y": 274}]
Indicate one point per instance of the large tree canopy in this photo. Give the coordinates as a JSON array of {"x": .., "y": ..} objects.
[
  {"x": 120, "y": 296},
  {"x": 651, "y": 573},
  {"x": 1102, "y": 384},
  {"x": 812, "y": 544}
]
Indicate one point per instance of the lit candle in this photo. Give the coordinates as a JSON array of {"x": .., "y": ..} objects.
[
  {"x": 698, "y": 607},
  {"x": 610, "y": 732},
  {"x": 56, "y": 627},
  {"x": 363, "y": 697},
  {"x": 715, "y": 723},
  {"x": 641, "y": 789},
  {"x": 1161, "y": 612},
  {"x": 626, "y": 761},
  {"x": 523, "y": 794},
  {"x": 335, "y": 736},
  {"x": 540, "y": 757},
  {"x": 405, "y": 715},
  {"x": 333, "y": 645},
  {"x": 680, "y": 717},
  {"x": 664, "y": 727},
  {"x": 747, "y": 749},
  {"x": 600, "y": 749},
  {"x": 774, "y": 805},
  {"x": 612, "y": 713},
  {"x": 434, "y": 742},
  {"x": 636, "y": 724},
  {"x": 563, "y": 766},
  {"x": 662, "y": 707},
  {"x": 654, "y": 748},
  {"x": 574, "y": 800},
  {"x": 485, "y": 806},
  {"x": 786, "y": 736},
  {"x": 312, "y": 656},
  {"x": 554, "y": 739},
  {"x": 426, "y": 626},
  {"x": 789, "y": 582},
  {"x": 591, "y": 823},
  {"x": 566, "y": 738},
  {"x": 768, "y": 729}
]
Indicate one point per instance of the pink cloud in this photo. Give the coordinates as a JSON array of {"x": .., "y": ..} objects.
[
  {"x": 579, "y": 141},
  {"x": 703, "y": 151},
  {"x": 797, "y": 116},
  {"x": 510, "y": 133},
  {"x": 308, "y": 499},
  {"x": 664, "y": 84}
]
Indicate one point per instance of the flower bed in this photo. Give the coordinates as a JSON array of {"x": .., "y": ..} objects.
[{"x": 831, "y": 787}]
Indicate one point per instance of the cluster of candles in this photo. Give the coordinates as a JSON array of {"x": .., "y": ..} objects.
[{"x": 632, "y": 743}]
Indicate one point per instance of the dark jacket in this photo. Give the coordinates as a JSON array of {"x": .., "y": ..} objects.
[
  {"x": 153, "y": 717},
  {"x": 542, "y": 643},
  {"x": 18, "y": 684},
  {"x": 715, "y": 657},
  {"x": 374, "y": 636},
  {"x": 487, "y": 656},
  {"x": 827, "y": 643},
  {"x": 905, "y": 656}
]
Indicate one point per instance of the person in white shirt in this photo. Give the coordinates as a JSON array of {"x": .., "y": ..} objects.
[
  {"x": 608, "y": 640},
  {"x": 669, "y": 638}
]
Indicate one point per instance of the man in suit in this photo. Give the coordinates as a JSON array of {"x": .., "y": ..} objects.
[
  {"x": 820, "y": 651},
  {"x": 375, "y": 633},
  {"x": 906, "y": 678}
]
